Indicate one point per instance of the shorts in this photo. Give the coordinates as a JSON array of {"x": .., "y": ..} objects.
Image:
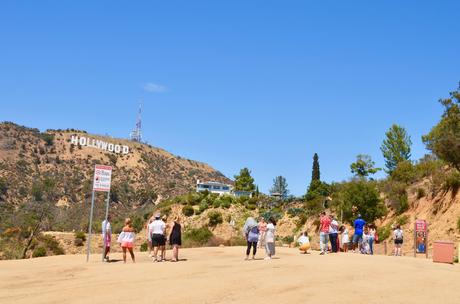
[
  {"x": 127, "y": 245},
  {"x": 398, "y": 242},
  {"x": 158, "y": 240},
  {"x": 357, "y": 239}
]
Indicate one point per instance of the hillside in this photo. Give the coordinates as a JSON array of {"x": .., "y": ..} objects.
[{"x": 49, "y": 167}]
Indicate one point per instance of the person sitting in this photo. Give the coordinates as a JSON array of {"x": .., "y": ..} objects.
[{"x": 304, "y": 243}]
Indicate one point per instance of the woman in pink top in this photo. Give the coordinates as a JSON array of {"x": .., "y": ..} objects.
[{"x": 262, "y": 230}]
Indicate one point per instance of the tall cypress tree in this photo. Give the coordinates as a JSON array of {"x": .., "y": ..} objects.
[{"x": 315, "y": 174}]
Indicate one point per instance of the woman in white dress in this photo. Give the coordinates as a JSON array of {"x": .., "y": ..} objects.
[{"x": 345, "y": 238}]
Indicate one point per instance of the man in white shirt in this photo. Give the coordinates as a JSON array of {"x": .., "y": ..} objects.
[
  {"x": 157, "y": 230},
  {"x": 106, "y": 237}
]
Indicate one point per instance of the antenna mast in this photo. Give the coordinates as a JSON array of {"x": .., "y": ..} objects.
[{"x": 136, "y": 134}]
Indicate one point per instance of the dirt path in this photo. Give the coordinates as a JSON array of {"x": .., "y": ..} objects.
[{"x": 219, "y": 275}]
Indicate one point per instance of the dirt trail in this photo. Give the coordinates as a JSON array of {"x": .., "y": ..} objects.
[{"x": 219, "y": 275}]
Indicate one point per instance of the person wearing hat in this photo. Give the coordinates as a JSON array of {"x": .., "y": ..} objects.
[
  {"x": 358, "y": 235},
  {"x": 157, "y": 230}
]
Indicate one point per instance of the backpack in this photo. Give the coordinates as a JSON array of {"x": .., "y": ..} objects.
[{"x": 398, "y": 234}]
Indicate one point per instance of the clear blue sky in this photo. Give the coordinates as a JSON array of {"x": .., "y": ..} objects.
[{"x": 261, "y": 84}]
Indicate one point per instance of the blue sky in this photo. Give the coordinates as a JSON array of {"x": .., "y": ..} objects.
[{"x": 258, "y": 84}]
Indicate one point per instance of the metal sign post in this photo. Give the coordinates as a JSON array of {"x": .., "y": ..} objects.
[{"x": 101, "y": 182}]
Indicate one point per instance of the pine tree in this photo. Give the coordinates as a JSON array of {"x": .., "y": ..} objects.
[
  {"x": 244, "y": 181},
  {"x": 396, "y": 147}
]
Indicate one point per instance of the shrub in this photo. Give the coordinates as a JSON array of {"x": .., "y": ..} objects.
[
  {"x": 402, "y": 220},
  {"x": 80, "y": 235},
  {"x": 202, "y": 207},
  {"x": 294, "y": 211},
  {"x": 458, "y": 224},
  {"x": 384, "y": 232},
  {"x": 452, "y": 182},
  {"x": 287, "y": 239},
  {"x": 215, "y": 218},
  {"x": 138, "y": 223},
  {"x": 404, "y": 172},
  {"x": 51, "y": 244},
  {"x": 217, "y": 203},
  {"x": 48, "y": 138},
  {"x": 301, "y": 221},
  {"x": 39, "y": 252},
  {"x": 225, "y": 204},
  {"x": 420, "y": 193},
  {"x": 197, "y": 237},
  {"x": 3, "y": 186},
  {"x": 188, "y": 210},
  {"x": 403, "y": 204},
  {"x": 144, "y": 247}
]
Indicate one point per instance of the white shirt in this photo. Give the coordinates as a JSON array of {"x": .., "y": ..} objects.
[
  {"x": 303, "y": 240},
  {"x": 126, "y": 237},
  {"x": 106, "y": 229},
  {"x": 333, "y": 227},
  {"x": 270, "y": 234},
  {"x": 157, "y": 227}
]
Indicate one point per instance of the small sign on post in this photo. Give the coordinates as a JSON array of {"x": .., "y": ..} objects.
[
  {"x": 420, "y": 237},
  {"x": 101, "y": 182}
]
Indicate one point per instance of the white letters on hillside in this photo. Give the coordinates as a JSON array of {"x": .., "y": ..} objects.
[{"x": 99, "y": 144}]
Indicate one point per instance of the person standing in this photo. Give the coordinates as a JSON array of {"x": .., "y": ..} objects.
[
  {"x": 358, "y": 235},
  {"x": 270, "y": 238},
  {"x": 324, "y": 223},
  {"x": 157, "y": 229},
  {"x": 175, "y": 239},
  {"x": 106, "y": 237},
  {"x": 251, "y": 233},
  {"x": 345, "y": 238},
  {"x": 126, "y": 239},
  {"x": 372, "y": 234},
  {"x": 149, "y": 236},
  {"x": 333, "y": 234},
  {"x": 262, "y": 230},
  {"x": 398, "y": 238}
]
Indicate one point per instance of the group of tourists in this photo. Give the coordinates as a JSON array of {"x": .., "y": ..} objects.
[
  {"x": 260, "y": 235},
  {"x": 333, "y": 237},
  {"x": 158, "y": 233},
  {"x": 364, "y": 237}
]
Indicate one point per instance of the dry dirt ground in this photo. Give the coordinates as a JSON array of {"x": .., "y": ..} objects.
[{"x": 220, "y": 275}]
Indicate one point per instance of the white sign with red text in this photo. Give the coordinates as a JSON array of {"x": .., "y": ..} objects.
[{"x": 102, "y": 178}]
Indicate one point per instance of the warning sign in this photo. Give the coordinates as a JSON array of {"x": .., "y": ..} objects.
[{"x": 102, "y": 178}]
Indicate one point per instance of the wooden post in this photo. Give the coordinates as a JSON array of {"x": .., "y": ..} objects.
[{"x": 385, "y": 246}]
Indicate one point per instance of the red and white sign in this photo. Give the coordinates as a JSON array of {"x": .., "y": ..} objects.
[
  {"x": 420, "y": 226},
  {"x": 102, "y": 178}
]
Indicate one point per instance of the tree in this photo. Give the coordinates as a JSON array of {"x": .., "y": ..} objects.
[
  {"x": 444, "y": 138},
  {"x": 244, "y": 181},
  {"x": 315, "y": 174},
  {"x": 363, "y": 196},
  {"x": 280, "y": 186},
  {"x": 396, "y": 147},
  {"x": 364, "y": 166}
]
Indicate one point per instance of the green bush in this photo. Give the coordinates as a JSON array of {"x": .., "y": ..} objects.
[
  {"x": 384, "y": 232},
  {"x": 215, "y": 218},
  {"x": 287, "y": 239},
  {"x": 144, "y": 247},
  {"x": 225, "y": 204},
  {"x": 48, "y": 138},
  {"x": 138, "y": 223},
  {"x": 39, "y": 252},
  {"x": 402, "y": 220},
  {"x": 403, "y": 204},
  {"x": 188, "y": 210},
  {"x": 80, "y": 235},
  {"x": 452, "y": 181},
  {"x": 197, "y": 237},
  {"x": 216, "y": 203},
  {"x": 52, "y": 244},
  {"x": 404, "y": 172}
]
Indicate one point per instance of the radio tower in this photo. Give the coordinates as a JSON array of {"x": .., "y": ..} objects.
[{"x": 136, "y": 134}]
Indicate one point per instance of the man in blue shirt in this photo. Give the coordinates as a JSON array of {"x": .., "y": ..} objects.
[{"x": 358, "y": 236}]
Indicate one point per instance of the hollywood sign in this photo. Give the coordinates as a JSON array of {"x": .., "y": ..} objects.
[{"x": 98, "y": 144}]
